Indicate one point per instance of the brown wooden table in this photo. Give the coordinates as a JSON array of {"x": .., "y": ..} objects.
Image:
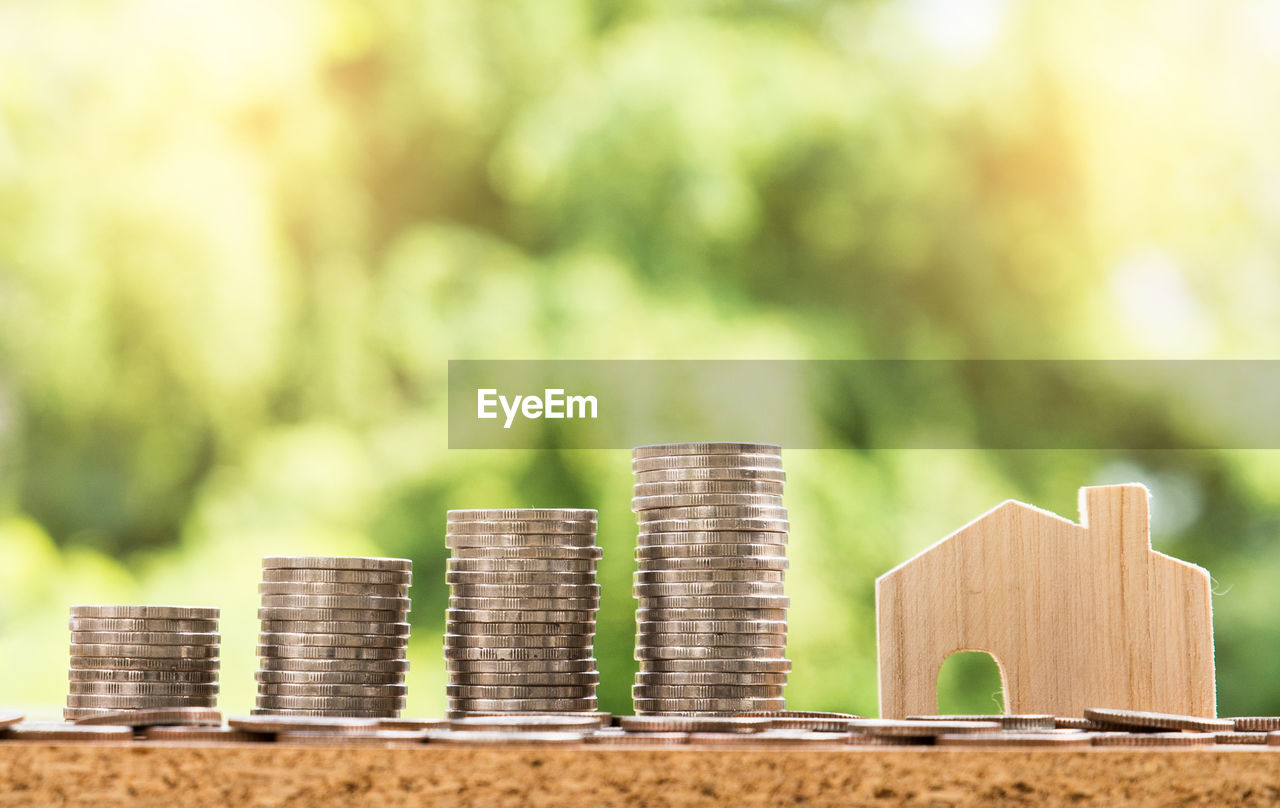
[{"x": 266, "y": 774}]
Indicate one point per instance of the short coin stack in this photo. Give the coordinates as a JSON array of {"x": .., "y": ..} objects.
[
  {"x": 141, "y": 657},
  {"x": 711, "y": 624},
  {"x": 522, "y": 611},
  {"x": 333, "y": 636}
]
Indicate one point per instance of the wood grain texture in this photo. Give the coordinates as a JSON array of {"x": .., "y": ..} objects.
[
  {"x": 1075, "y": 616},
  {"x": 141, "y": 775}
]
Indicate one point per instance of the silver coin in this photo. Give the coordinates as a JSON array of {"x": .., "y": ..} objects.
[
  {"x": 327, "y": 677},
  {"x": 413, "y": 723},
  {"x": 259, "y": 712},
  {"x": 144, "y": 638},
  {"x": 715, "y": 640},
  {"x": 529, "y": 603},
  {"x": 519, "y": 692},
  {"x": 708, "y": 678},
  {"x": 63, "y": 731},
  {"x": 375, "y": 627},
  {"x": 327, "y": 652},
  {"x": 78, "y": 713},
  {"x": 699, "y": 588},
  {"x": 135, "y": 624},
  {"x": 313, "y": 588},
  {"x": 89, "y": 688},
  {"x": 663, "y": 501},
  {"x": 327, "y": 706},
  {"x": 331, "y": 615},
  {"x": 774, "y": 512},
  {"x": 715, "y": 563},
  {"x": 711, "y": 626},
  {"x": 507, "y": 721},
  {"x": 676, "y": 449},
  {"x": 160, "y": 716},
  {"x": 645, "y": 692},
  {"x": 599, "y": 718},
  {"x": 493, "y": 552},
  {"x": 451, "y": 737},
  {"x": 580, "y": 641},
  {"x": 326, "y": 665},
  {"x": 524, "y": 666},
  {"x": 532, "y": 617},
  {"x": 541, "y": 578},
  {"x": 542, "y": 527},
  {"x": 714, "y": 524},
  {"x": 397, "y": 605},
  {"x": 272, "y": 725},
  {"x": 380, "y": 738},
  {"x": 147, "y": 612},
  {"x": 649, "y": 615},
  {"x": 808, "y": 720},
  {"x": 552, "y": 705},
  {"x": 144, "y": 651},
  {"x": 708, "y": 705},
  {"x": 77, "y": 700},
  {"x": 523, "y": 515},
  {"x": 334, "y": 640},
  {"x": 376, "y": 577},
  {"x": 142, "y": 676},
  {"x": 919, "y": 729},
  {"x": 638, "y": 723},
  {"x": 467, "y": 541},
  {"x": 734, "y": 652},
  {"x": 660, "y": 575},
  {"x": 334, "y": 646},
  {"x": 520, "y": 629},
  {"x": 143, "y": 663},
  {"x": 525, "y": 565},
  {"x": 312, "y": 690},
  {"x": 329, "y": 702},
  {"x": 525, "y": 590},
  {"x": 375, "y": 714},
  {"x": 727, "y": 543},
  {"x": 692, "y": 461},
  {"x": 537, "y": 679},
  {"x": 715, "y": 602},
  {"x": 741, "y": 666},
  {"x": 1016, "y": 722},
  {"x": 337, "y": 563},
  {"x": 515, "y": 654},
  {"x": 684, "y": 487},
  {"x": 691, "y": 474}
]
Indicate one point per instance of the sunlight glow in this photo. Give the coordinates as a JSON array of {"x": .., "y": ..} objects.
[{"x": 963, "y": 31}]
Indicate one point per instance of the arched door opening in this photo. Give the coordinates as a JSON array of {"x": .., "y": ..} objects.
[{"x": 971, "y": 683}]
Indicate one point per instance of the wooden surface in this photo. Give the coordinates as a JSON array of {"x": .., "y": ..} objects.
[
  {"x": 1075, "y": 616},
  {"x": 139, "y": 775}
]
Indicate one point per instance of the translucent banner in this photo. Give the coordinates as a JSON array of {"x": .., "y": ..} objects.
[{"x": 866, "y": 404}]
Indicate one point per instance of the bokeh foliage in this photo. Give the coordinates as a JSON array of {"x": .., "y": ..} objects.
[{"x": 239, "y": 241}]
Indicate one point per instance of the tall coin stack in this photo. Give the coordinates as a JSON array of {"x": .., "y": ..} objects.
[
  {"x": 522, "y": 611},
  {"x": 141, "y": 657},
  {"x": 711, "y": 628},
  {"x": 334, "y": 635}
]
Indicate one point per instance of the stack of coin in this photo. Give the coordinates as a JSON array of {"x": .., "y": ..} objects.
[
  {"x": 522, "y": 611},
  {"x": 711, "y": 625},
  {"x": 333, "y": 636},
  {"x": 141, "y": 657}
]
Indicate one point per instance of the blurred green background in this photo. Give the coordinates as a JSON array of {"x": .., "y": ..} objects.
[{"x": 239, "y": 241}]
